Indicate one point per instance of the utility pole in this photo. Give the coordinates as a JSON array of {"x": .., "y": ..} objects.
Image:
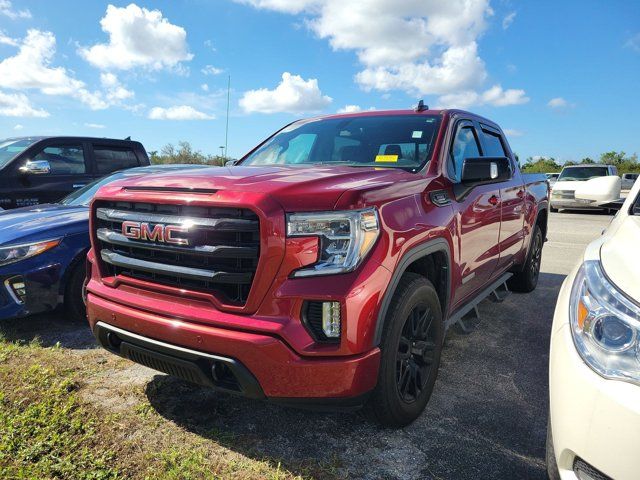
[{"x": 226, "y": 132}]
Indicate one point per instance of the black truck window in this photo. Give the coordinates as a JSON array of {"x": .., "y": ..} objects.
[
  {"x": 110, "y": 159},
  {"x": 63, "y": 159}
]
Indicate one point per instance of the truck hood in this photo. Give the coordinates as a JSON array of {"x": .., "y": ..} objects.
[
  {"x": 42, "y": 222},
  {"x": 315, "y": 188},
  {"x": 620, "y": 256},
  {"x": 564, "y": 185}
]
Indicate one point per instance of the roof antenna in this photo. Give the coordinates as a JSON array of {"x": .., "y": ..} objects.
[
  {"x": 420, "y": 107},
  {"x": 128, "y": 139}
]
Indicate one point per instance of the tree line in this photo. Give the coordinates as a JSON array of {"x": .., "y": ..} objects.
[
  {"x": 625, "y": 163},
  {"x": 184, "y": 153}
]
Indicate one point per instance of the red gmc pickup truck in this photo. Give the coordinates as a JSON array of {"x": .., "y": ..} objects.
[{"x": 325, "y": 266}]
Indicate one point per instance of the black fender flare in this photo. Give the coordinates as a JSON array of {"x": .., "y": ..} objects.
[{"x": 423, "y": 250}]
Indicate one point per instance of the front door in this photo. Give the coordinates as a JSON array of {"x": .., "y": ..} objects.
[
  {"x": 69, "y": 170},
  {"x": 478, "y": 218}
]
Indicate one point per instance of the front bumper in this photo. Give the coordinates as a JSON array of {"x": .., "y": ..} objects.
[
  {"x": 42, "y": 277},
  {"x": 592, "y": 418},
  {"x": 574, "y": 204},
  {"x": 279, "y": 372}
]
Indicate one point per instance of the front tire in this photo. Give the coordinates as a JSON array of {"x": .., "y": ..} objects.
[
  {"x": 73, "y": 295},
  {"x": 526, "y": 280},
  {"x": 550, "y": 458},
  {"x": 411, "y": 347}
]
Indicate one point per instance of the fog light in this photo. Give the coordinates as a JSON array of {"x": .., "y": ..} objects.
[
  {"x": 331, "y": 319},
  {"x": 16, "y": 288}
]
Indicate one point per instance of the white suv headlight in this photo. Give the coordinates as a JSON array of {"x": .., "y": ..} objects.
[
  {"x": 605, "y": 325},
  {"x": 345, "y": 238}
]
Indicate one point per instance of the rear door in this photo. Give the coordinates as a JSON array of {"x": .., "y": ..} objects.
[
  {"x": 512, "y": 196},
  {"x": 69, "y": 170},
  {"x": 478, "y": 217},
  {"x": 110, "y": 158}
]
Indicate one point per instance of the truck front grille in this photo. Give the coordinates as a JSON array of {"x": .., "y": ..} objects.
[{"x": 213, "y": 250}]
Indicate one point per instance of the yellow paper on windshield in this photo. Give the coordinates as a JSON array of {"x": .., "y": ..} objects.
[{"x": 386, "y": 158}]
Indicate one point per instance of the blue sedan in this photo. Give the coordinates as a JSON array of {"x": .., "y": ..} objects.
[{"x": 43, "y": 248}]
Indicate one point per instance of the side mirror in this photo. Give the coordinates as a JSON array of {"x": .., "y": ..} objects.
[
  {"x": 36, "y": 167},
  {"x": 482, "y": 171},
  {"x": 230, "y": 163}
]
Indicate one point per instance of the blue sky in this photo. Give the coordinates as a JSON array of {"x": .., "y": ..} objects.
[{"x": 561, "y": 78}]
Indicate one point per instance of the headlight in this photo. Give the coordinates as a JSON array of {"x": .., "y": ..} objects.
[
  {"x": 345, "y": 238},
  {"x": 605, "y": 325},
  {"x": 15, "y": 253}
]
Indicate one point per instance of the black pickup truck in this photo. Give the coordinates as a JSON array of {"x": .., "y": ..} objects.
[{"x": 37, "y": 170}]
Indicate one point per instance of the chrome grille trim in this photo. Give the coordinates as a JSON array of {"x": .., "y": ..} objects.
[
  {"x": 123, "y": 261},
  {"x": 219, "y": 251},
  {"x": 221, "y": 224}
]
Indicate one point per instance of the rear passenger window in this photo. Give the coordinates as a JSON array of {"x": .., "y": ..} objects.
[
  {"x": 493, "y": 145},
  {"x": 63, "y": 159},
  {"x": 110, "y": 159}
]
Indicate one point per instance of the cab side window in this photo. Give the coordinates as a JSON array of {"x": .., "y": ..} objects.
[
  {"x": 465, "y": 145},
  {"x": 493, "y": 144},
  {"x": 63, "y": 159},
  {"x": 110, "y": 159}
]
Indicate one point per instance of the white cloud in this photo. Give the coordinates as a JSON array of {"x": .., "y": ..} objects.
[
  {"x": 293, "y": 94},
  {"x": 31, "y": 68},
  {"x": 94, "y": 125},
  {"x": 181, "y": 112},
  {"x": 508, "y": 20},
  {"x": 114, "y": 91},
  {"x": 211, "y": 70},
  {"x": 5, "y": 40},
  {"x": 634, "y": 42},
  {"x": 138, "y": 38},
  {"x": 558, "y": 102},
  {"x": 18, "y": 105},
  {"x": 18, "y": 126},
  {"x": 7, "y": 10},
  {"x": 495, "y": 96},
  {"x": 512, "y": 132},
  {"x": 350, "y": 109},
  {"x": 422, "y": 47},
  {"x": 204, "y": 87}
]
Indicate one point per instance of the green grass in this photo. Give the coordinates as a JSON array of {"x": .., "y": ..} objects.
[
  {"x": 44, "y": 431},
  {"x": 55, "y": 425}
]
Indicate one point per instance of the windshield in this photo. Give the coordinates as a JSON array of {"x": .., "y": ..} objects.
[
  {"x": 11, "y": 147},
  {"x": 399, "y": 141},
  {"x": 83, "y": 196},
  {"x": 583, "y": 173}
]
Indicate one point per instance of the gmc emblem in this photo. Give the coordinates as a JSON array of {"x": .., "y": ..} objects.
[{"x": 159, "y": 233}]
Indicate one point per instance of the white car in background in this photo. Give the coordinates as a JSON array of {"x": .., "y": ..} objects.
[
  {"x": 594, "y": 361},
  {"x": 600, "y": 183},
  {"x": 628, "y": 179}
]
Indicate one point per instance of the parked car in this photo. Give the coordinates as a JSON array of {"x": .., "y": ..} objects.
[
  {"x": 628, "y": 179},
  {"x": 552, "y": 178},
  {"x": 36, "y": 170},
  {"x": 594, "y": 363},
  {"x": 577, "y": 179},
  {"x": 325, "y": 267},
  {"x": 43, "y": 250}
]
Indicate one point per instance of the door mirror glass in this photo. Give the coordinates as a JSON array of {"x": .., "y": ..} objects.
[{"x": 36, "y": 167}]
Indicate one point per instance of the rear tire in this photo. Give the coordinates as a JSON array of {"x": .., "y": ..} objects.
[
  {"x": 526, "y": 280},
  {"x": 73, "y": 295},
  {"x": 411, "y": 346},
  {"x": 552, "y": 466}
]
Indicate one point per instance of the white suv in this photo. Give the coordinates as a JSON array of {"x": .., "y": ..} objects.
[{"x": 594, "y": 363}]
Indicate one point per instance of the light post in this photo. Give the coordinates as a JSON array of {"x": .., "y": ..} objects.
[{"x": 222, "y": 151}]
